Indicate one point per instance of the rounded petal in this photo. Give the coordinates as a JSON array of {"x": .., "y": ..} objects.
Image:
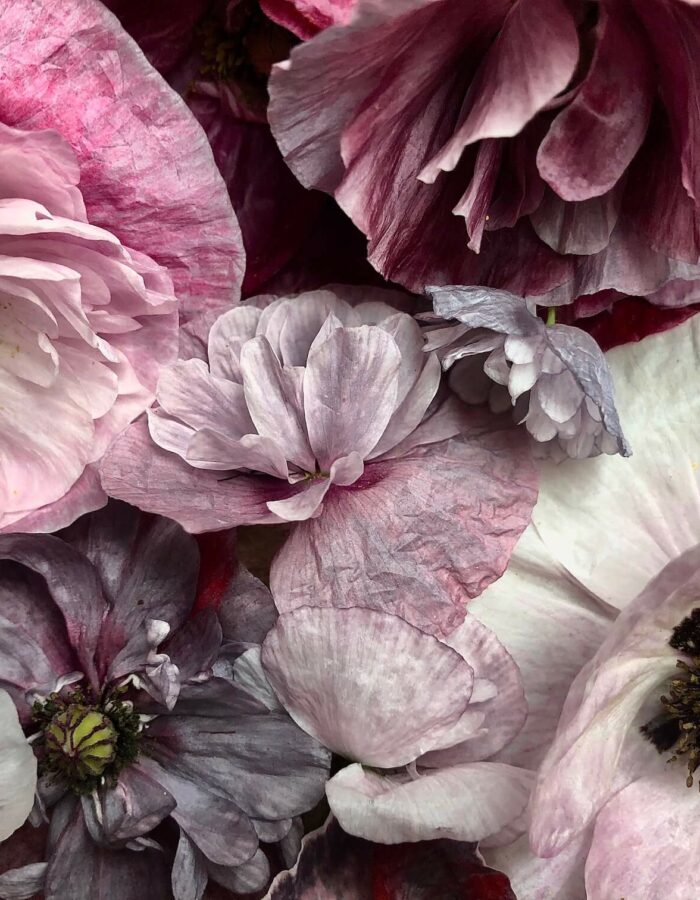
[
  {"x": 75, "y": 70},
  {"x": 464, "y": 803},
  {"x": 648, "y": 506},
  {"x": 17, "y": 770},
  {"x": 390, "y": 694}
]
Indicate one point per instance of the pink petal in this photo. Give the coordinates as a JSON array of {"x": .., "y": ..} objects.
[
  {"x": 305, "y": 504},
  {"x": 208, "y": 449},
  {"x": 464, "y": 803},
  {"x": 583, "y": 227},
  {"x": 643, "y": 840},
  {"x": 137, "y": 471},
  {"x": 52, "y": 60},
  {"x": 418, "y": 535},
  {"x": 350, "y": 392},
  {"x": 274, "y": 395},
  {"x": 382, "y": 668},
  {"x": 307, "y": 17},
  {"x": 227, "y": 335},
  {"x": 595, "y": 137},
  {"x": 84, "y": 496},
  {"x": 513, "y": 82}
]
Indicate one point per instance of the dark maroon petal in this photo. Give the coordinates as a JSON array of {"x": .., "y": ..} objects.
[
  {"x": 216, "y": 825},
  {"x": 74, "y": 586},
  {"x": 631, "y": 319},
  {"x": 247, "y": 611},
  {"x": 80, "y": 870},
  {"x": 25, "y": 849},
  {"x": 217, "y": 568},
  {"x": 285, "y": 780}
]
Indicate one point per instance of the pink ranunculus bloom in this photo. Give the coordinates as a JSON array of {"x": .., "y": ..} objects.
[
  {"x": 417, "y": 719},
  {"x": 325, "y": 414},
  {"x": 110, "y": 207},
  {"x": 612, "y": 552},
  {"x": 539, "y": 146}
]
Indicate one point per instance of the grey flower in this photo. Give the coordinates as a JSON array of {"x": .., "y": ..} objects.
[
  {"x": 555, "y": 376},
  {"x": 159, "y": 768}
]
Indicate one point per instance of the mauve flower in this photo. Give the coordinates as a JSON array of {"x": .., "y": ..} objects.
[
  {"x": 162, "y": 764},
  {"x": 609, "y": 813},
  {"x": 96, "y": 224},
  {"x": 555, "y": 376},
  {"x": 504, "y": 143},
  {"x": 333, "y": 864},
  {"x": 417, "y": 719},
  {"x": 325, "y": 414},
  {"x": 17, "y": 770}
]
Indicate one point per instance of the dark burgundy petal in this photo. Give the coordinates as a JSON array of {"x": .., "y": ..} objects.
[
  {"x": 80, "y": 870},
  {"x": 74, "y": 586},
  {"x": 217, "y": 568},
  {"x": 215, "y": 824},
  {"x": 247, "y": 610},
  {"x": 285, "y": 780}
]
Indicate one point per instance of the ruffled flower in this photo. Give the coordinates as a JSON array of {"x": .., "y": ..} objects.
[
  {"x": 532, "y": 123},
  {"x": 92, "y": 239},
  {"x": 317, "y": 412},
  {"x": 612, "y": 553},
  {"x": 162, "y": 762},
  {"x": 417, "y": 719},
  {"x": 556, "y": 376}
]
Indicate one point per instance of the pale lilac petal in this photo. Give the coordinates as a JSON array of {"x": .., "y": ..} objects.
[
  {"x": 464, "y": 803},
  {"x": 208, "y": 449},
  {"x": 138, "y": 471},
  {"x": 274, "y": 395},
  {"x": 642, "y": 842},
  {"x": 303, "y": 505},
  {"x": 350, "y": 392},
  {"x": 189, "y": 873},
  {"x": 311, "y": 311},
  {"x": 17, "y": 771},
  {"x": 357, "y": 706},
  {"x": 226, "y": 337},
  {"x": 252, "y": 875}
]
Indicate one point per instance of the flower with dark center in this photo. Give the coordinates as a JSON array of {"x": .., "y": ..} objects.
[{"x": 164, "y": 759}]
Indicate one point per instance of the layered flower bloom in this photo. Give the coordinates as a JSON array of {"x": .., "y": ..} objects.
[
  {"x": 529, "y": 125},
  {"x": 556, "y": 376},
  {"x": 96, "y": 224},
  {"x": 613, "y": 545},
  {"x": 161, "y": 765},
  {"x": 416, "y": 718},
  {"x": 325, "y": 414}
]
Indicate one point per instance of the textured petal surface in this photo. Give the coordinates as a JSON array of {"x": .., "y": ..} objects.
[
  {"x": 17, "y": 771},
  {"x": 382, "y": 667}
]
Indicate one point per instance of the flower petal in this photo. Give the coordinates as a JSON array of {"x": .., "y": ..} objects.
[
  {"x": 357, "y": 706},
  {"x": 17, "y": 770}
]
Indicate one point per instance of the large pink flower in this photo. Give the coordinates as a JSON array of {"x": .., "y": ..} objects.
[
  {"x": 614, "y": 547},
  {"x": 110, "y": 206},
  {"x": 504, "y": 143},
  {"x": 322, "y": 413}
]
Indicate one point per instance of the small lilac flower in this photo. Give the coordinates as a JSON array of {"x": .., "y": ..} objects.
[
  {"x": 317, "y": 412},
  {"x": 138, "y": 716},
  {"x": 556, "y": 376},
  {"x": 417, "y": 719}
]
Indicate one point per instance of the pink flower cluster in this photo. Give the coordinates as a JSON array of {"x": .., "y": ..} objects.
[{"x": 351, "y": 551}]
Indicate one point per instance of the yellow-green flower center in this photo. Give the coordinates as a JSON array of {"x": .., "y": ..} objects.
[{"x": 84, "y": 737}]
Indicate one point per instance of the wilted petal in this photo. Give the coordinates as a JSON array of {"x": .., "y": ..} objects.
[{"x": 357, "y": 706}]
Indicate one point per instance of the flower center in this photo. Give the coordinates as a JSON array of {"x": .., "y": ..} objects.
[
  {"x": 83, "y": 743},
  {"x": 677, "y": 727}
]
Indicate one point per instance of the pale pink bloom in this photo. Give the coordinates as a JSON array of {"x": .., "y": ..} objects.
[
  {"x": 418, "y": 720},
  {"x": 326, "y": 414},
  {"x": 612, "y": 554},
  {"x": 108, "y": 196}
]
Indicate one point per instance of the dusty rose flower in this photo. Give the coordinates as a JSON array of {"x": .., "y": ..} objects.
[
  {"x": 96, "y": 224},
  {"x": 417, "y": 719},
  {"x": 335, "y": 864},
  {"x": 161, "y": 765},
  {"x": 325, "y": 414},
  {"x": 613, "y": 545},
  {"x": 555, "y": 376},
  {"x": 504, "y": 144}
]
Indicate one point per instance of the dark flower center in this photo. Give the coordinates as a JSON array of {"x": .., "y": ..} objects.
[
  {"x": 677, "y": 727},
  {"x": 84, "y": 743}
]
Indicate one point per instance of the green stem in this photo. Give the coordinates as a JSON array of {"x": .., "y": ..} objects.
[{"x": 552, "y": 315}]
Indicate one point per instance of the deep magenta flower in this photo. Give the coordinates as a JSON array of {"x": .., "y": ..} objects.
[
  {"x": 327, "y": 414},
  {"x": 99, "y": 232},
  {"x": 504, "y": 144},
  {"x": 162, "y": 762}
]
